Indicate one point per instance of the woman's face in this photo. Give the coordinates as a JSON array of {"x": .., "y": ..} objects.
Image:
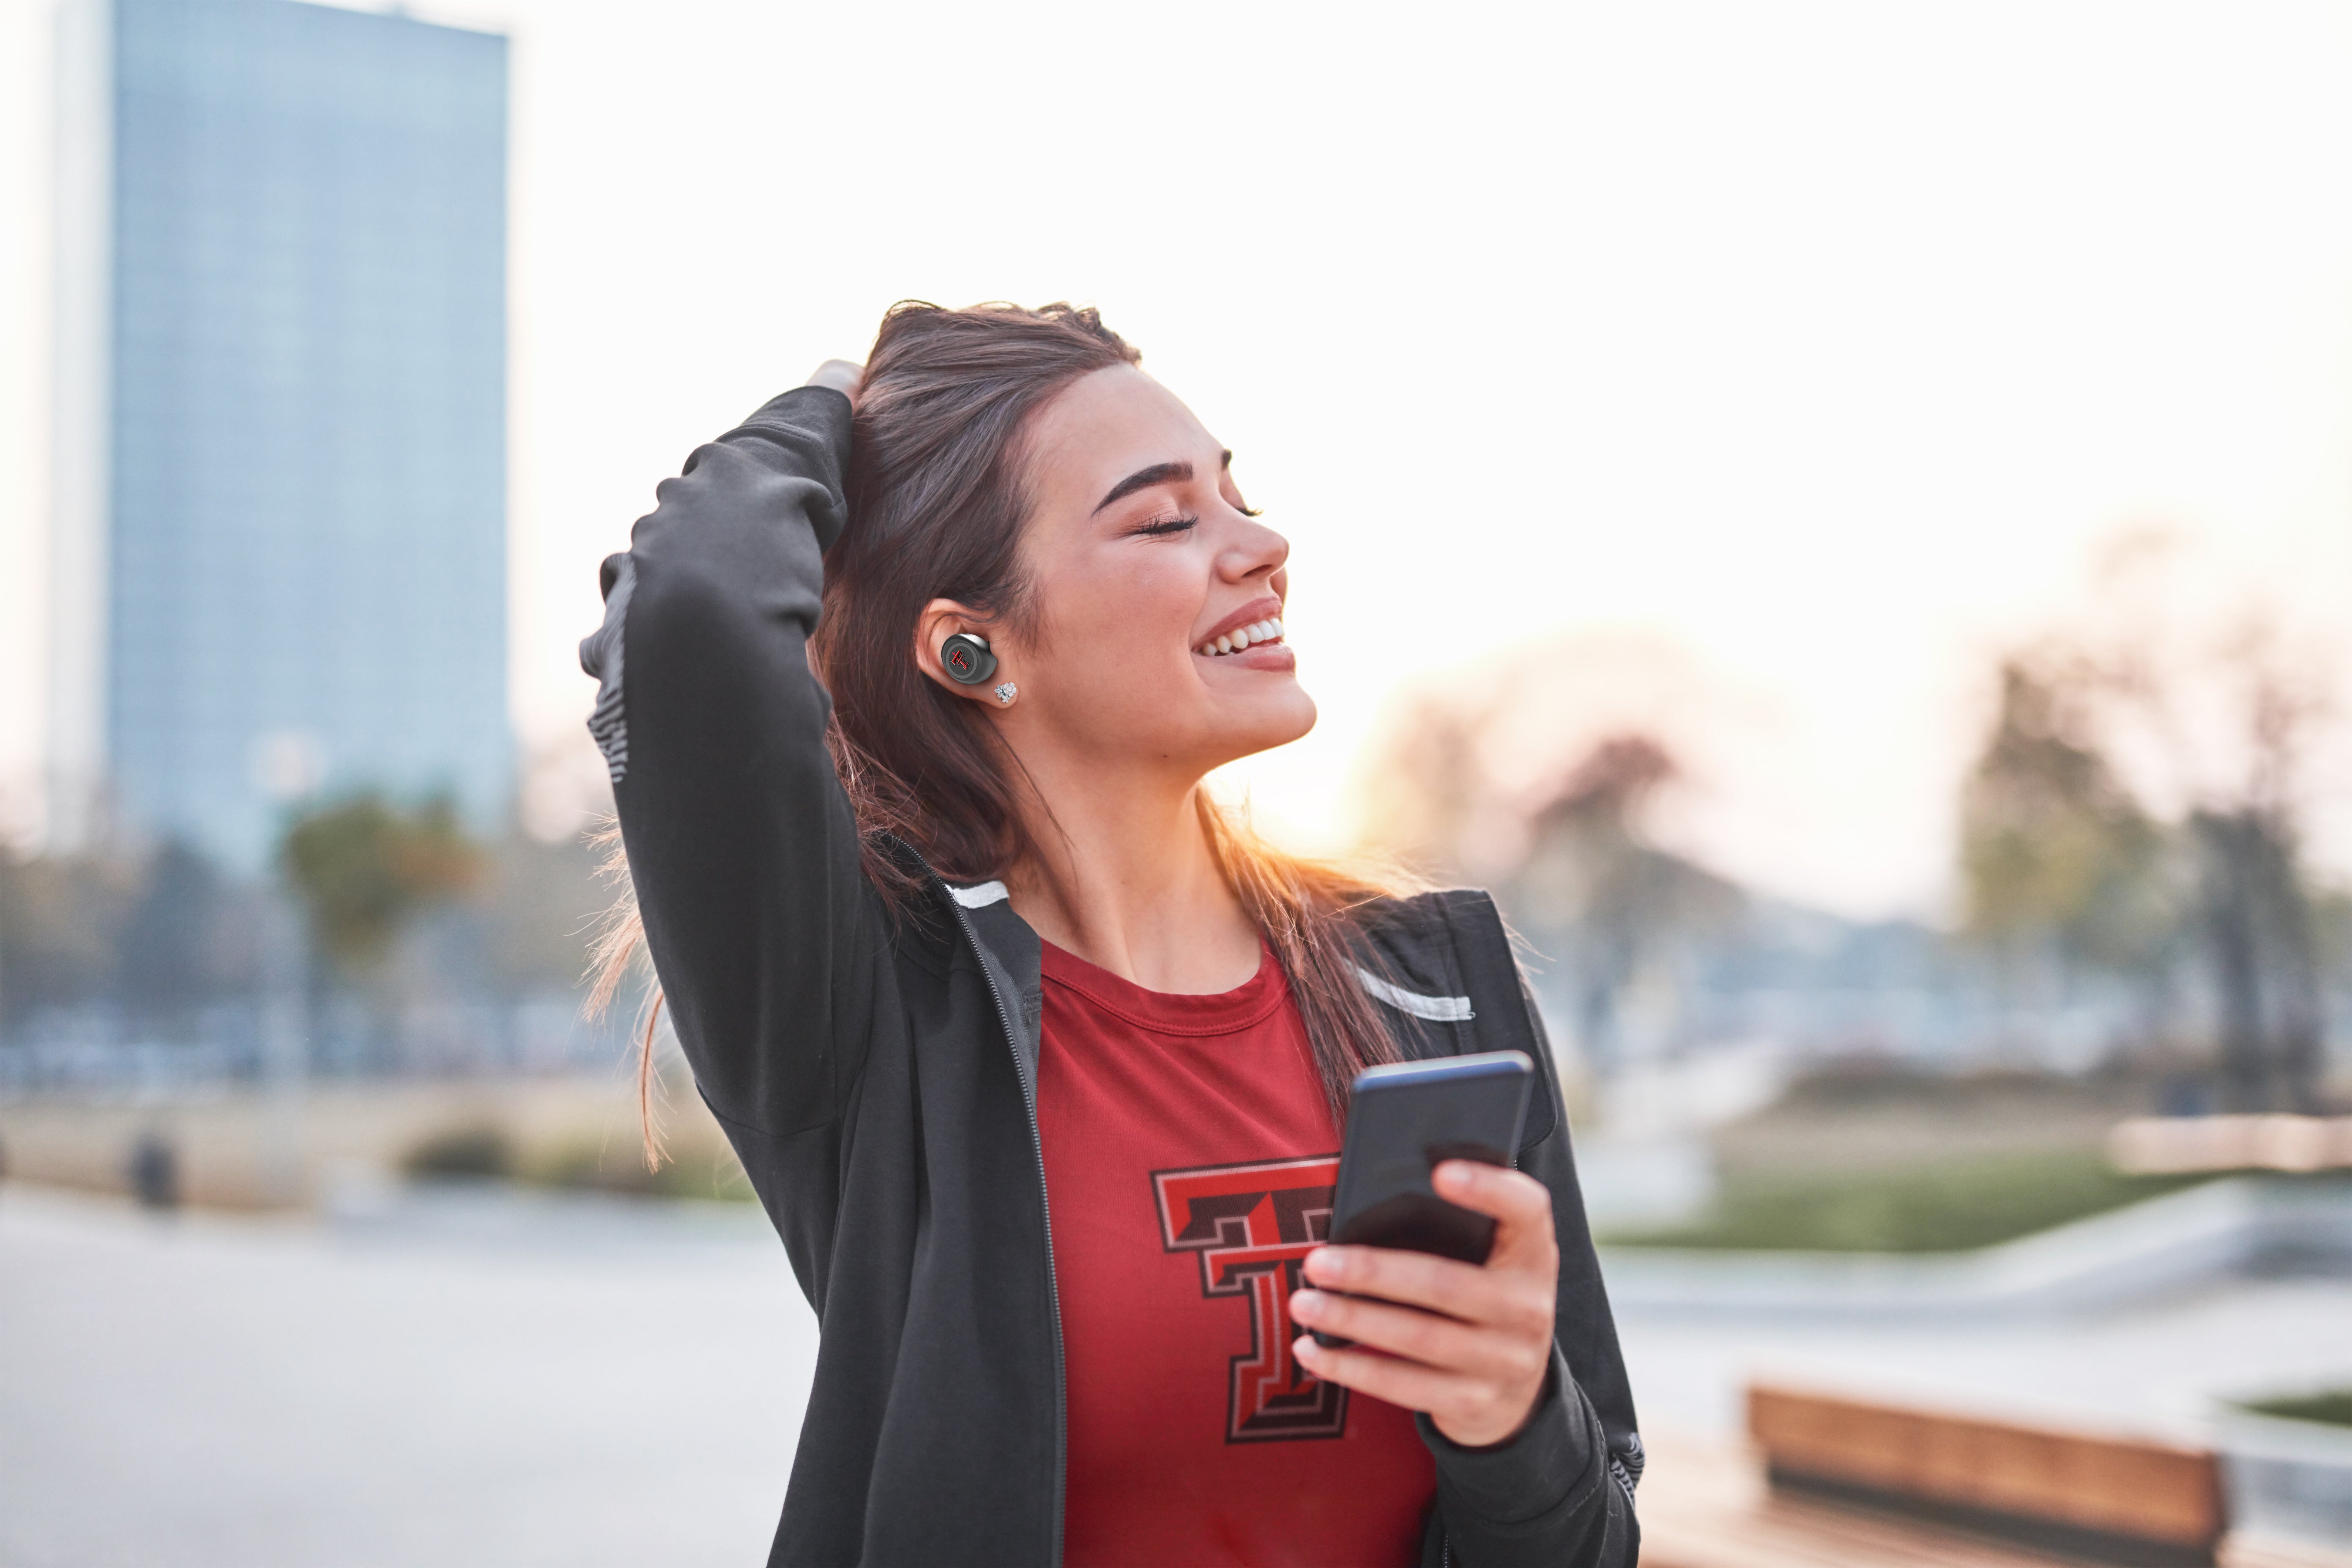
[{"x": 1142, "y": 555}]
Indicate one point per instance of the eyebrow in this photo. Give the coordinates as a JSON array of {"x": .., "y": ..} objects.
[
  {"x": 1144, "y": 479},
  {"x": 1157, "y": 474}
]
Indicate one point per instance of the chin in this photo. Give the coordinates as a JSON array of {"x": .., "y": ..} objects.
[{"x": 1276, "y": 719}]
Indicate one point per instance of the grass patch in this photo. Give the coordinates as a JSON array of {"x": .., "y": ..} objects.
[
  {"x": 1952, "y": 1207},
  {"x": 698, "y": 1168},
  {"x": 482, "y": 1150},
  {"x": 694, "y": 1171},
  {"x": 2332, "y": 1409}
]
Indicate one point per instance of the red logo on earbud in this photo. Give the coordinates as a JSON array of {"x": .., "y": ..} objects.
[{"x": 962, "y": 661}]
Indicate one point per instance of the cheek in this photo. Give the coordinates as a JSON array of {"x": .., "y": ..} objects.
[{"x": 1120, "y": 625}]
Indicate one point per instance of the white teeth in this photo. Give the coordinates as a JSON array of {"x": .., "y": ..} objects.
[{"x": 1267, "y": 630}]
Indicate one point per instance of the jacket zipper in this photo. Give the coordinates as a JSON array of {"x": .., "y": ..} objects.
[{"x": 1045, "y": 1211}]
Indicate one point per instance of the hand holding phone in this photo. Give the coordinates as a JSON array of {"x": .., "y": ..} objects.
[
  {"x": 1465, "y": 1335},
  {"x": 1403, "y": 1120}
]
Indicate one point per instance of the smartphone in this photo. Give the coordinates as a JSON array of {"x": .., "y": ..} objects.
[{"x": 1402, "y": 1120}]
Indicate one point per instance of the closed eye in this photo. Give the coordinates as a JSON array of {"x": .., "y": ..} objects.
[{"x": 1160, "y": 527}]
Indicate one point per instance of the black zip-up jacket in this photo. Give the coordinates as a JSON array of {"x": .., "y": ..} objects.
[{"x": 878, "y": 1074}]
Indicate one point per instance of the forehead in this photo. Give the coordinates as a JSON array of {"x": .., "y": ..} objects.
[{"x": 1103, "y": 426}]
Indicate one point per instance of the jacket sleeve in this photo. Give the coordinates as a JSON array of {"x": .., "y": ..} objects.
[
  {"x": 1560, "y": 1493},
  {"x": 741, "y": 844},
  {"x": 1554, "y": 1495}
]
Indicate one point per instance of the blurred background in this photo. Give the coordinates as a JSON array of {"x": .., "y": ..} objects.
[{"x": 1854, "y": 505}]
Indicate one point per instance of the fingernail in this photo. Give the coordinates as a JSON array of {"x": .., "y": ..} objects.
[
  {"x": 1326, "y": 1267},
  {"x": 1306, "y": 1304},
  {"x": 1455, "y": 1173}
]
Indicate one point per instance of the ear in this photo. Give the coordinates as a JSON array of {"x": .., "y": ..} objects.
[{"x": 943, "y": 618}]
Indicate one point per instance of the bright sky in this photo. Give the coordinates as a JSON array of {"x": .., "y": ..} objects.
[{"x": 1819, "y": 345}]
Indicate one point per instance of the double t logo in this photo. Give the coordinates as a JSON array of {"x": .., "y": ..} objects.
[{"x": 1252, "y": 1226}]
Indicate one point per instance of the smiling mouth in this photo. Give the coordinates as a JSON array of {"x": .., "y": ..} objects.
[{"x": 1266, "y": 631}]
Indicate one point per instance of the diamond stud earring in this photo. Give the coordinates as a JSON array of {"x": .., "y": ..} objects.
[{"x": 1005, "y": 693}]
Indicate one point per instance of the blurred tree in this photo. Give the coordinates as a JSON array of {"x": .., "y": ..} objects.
[
  {"x": 1592, "y": 883},
  {"x": 1428, "y": 785},
  {"x": 60, "y": 919},
  {"x": 365, "y": 868},
  {"x": 2257, "y": 906},
  {"x": 1572, "y": 860},
  {"x": 2256, "y": 919},
  {"x": 2057, "y": 848},
  {"x": 2053, "y": 847},
  {"x": 422, "y": 925}
]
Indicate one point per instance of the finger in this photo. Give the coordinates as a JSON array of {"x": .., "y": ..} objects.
[
  {"x": 1440, "y": 1343},
  {"x": 1517, "y": 1299},
  {"x": 1520, "y": 1205},
  {"x": 1513, "y": 1197},
  {"x": 1400, "y": 1383},
  {"x": 1471, "y": 1411},
  {"x": 1414, "y": 1278},
  {"x": 843, "y": 375}
]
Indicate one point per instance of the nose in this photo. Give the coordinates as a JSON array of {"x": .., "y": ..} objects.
[{"x": 1254, "y": 551}]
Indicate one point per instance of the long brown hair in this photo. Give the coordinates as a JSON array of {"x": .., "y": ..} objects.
[{"x": 936, "y": 500}]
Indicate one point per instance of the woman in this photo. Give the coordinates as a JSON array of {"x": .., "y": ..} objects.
[{"x": 1035, "y": 1059}]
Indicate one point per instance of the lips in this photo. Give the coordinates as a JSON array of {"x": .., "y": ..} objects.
[{"x": 1254, "y": 624}]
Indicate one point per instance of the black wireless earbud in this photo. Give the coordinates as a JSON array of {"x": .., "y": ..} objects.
[{"x": 966, "y": 659}]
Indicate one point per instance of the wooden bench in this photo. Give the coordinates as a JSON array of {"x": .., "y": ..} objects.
[
  {"x": 2094, "y": 1499},
  {"x": 1707, "y": 1504}
]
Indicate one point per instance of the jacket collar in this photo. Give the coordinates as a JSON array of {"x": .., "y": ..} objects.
[
  {"x": 1012, "y": 955},
  {"x": 1402, "y": 937},
  {"x": 1440, "y": 964}
]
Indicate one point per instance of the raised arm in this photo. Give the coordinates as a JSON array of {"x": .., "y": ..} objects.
[{"x": 762, "y": 928}]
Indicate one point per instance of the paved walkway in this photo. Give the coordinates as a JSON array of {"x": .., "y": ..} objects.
[
  {"x": 2158, "y": 1369},
  {"x": 497, "y": 1381},
  {"x": 434, "y": 1390}
]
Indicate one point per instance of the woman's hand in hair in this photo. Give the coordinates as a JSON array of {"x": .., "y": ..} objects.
[
  {"x": 844, "y": 376},
  {"x": 1468, "y": 1345}
]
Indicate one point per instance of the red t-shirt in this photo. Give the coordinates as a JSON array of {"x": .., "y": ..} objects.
[{"x": 1189, "y": 1163}]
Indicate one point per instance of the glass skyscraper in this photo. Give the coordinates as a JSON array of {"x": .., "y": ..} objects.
[{"x": 281, "y": 533}]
